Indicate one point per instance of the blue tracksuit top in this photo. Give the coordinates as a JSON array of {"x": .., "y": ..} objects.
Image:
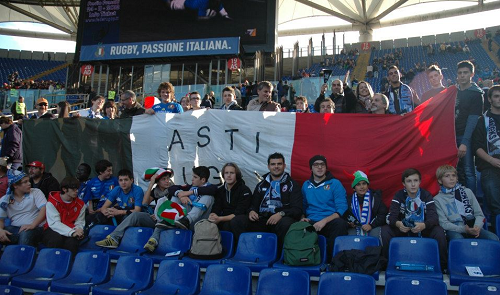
[{"x": 324, "y": 199}]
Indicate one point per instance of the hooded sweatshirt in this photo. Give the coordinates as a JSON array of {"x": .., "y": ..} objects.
[{"x": 468, "y": 108}]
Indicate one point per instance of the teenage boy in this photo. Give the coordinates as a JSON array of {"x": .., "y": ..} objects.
[
  {"x": 65, "y": 217},
  {"x": 324, "y": 200},
  {"x": 163, "y": 180},
  {"x": 486, "y": 145},
  {"x": 413, "y": 213},
  {"x": 99, "y": 186},
  {"x": 168, "y": 105},
  {"x": 25, "y": 207},
  {"x": 460, "y": 214},
  {"x": 468, "y": 108},
  {"x": 276, "y": 203},
  {"x": 196, "y": 204},
  {"x": 367, "y": 212},
  {"x": 232, "y": 198},
  {"x": 124, "y": 199},
  {"x": 229, "y": 99},
  {"x": 435, "y": 78}
]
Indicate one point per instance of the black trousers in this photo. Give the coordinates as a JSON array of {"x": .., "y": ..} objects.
[{"x": 52, "y": 239}]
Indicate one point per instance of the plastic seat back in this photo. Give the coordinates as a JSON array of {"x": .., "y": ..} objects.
[
  {"x": 97, "y": 233},
  {"x": 478, "y": 288},
  {"x": 354, "y": 242},
  {"x": 227, "y": 279},
  {"x": 423, "y": 251},
  {"x": 133, "y": 271},
  {"x": 346, "y": 283},
  {"x": 176, "y": 277},
  {"x": 133, "y": 242},
  {"x": 280, "y": 281},
  {"x": 256, "y": 247},
  {"x": 16, "y": 260},
  {"x": 10, "y": 290},
  {"x": 414, "y": 286},
  {"x": 174, "y": 240}
]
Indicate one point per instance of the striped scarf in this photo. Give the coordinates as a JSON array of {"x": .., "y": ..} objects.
[
  {"x": 493, "y": 140},
  {"x": 461, "y": 200},
  {"x": 363, "y": 215}
]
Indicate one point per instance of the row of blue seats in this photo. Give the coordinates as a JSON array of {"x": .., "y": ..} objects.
[
  {"x": 257, "y": 251},
  {"x": 135, "y": 274}
]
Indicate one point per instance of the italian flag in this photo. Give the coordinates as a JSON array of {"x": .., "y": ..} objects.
[
  {"x": 384, "y": 145},
  {"x": 170, "y": 211}
]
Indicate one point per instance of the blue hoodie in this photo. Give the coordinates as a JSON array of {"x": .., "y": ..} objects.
[{"x": 323, "y": 199}]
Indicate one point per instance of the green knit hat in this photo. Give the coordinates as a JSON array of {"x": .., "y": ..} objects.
[{"x": 359, "y": 176}]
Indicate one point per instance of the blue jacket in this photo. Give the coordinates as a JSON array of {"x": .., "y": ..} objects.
[{"x": 323, "y": 199}]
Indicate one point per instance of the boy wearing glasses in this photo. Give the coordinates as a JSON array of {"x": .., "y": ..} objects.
[
  {"x": 324, "y": 202},
  {"x": 65, "y": 217}
]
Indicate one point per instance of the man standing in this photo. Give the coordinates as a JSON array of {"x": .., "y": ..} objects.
[
  {"x": 264, "y": 102},
  {"x": 327, "y": 106},
  {"x": 229, "y": 99},
  {"x": 486, "y": 145},
  {"x": 342, "y": 96},
  {"x": 11, "y": 143},
  {"x": 195, "y": 100},
  {"x": 468, "y": 108},
  {"x": 42, "y": 105},
  {"x": 41, "y": 179},
  {"x": 276, "y": 203},
  {"x": 18, "y": 109},
  {"x": 402, "y": 98},
  {"x": 130, "y": 106},
  {"x": 324, "y": 202},
  {"x": 380, "y": 104},
  {"x": 82, "y": 174},
  {"x": 167, "y": 93},
  {"x": 436, "y": 80}
]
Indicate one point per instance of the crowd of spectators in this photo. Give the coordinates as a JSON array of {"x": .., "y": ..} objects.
[{"x": 14, "y": 81}]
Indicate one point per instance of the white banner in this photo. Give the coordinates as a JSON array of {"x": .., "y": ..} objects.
[{"x": 210, "y": 138}]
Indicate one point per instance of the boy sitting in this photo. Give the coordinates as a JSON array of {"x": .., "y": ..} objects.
[{"x": 459, "y": 212}]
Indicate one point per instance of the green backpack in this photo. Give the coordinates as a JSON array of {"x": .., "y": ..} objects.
[{"x": 301, "y": 245}]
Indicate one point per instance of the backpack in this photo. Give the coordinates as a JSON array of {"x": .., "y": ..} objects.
[
  {"x": 206, "y": 241},
  {"x": 301, "y": 245}
]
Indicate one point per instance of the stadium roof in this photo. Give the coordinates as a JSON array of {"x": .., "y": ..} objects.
[{"x": 346, "y": 15}]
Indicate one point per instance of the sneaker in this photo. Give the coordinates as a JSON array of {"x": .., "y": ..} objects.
[
  {"x": 108, "y": 242},
  {"x": 164, "y": 225},
  {"x": 182, "y": 223},
  {"x": 151, "y": 245}
]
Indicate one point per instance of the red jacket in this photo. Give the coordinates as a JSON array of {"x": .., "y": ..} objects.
[{"x": 68, "y": 212}]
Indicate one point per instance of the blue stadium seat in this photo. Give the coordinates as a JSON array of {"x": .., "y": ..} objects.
[
  {"x": 313, "y": 270},
  {"x": 171, "y": 241},
  {"x": 346, "y": 283},
  {"x": 176, "y": 277},
  {"x": 89, "y": 269},
  {"x": 132, "y": 243},
  {"x": 353, "y": 242},
  {"x": 48, "y": 293},
  {"x": 132, "y": 274},
  {"x": 51, "y": 264},
  {"x": 422, "y": 251},
  {"x": 10, "y": 290},
  {"x": 227, "y": 241},
  {"x": 357, "y": 243},
  {"x": 255, "y": 250},
  {"x": 497, "y": 225},
  {"x": 16, "y": 260},
  {"x": 283, "y": 281},
  {"x": 97, "y": 233},
  {"x": 227, "y": 280},
  {"x": 473, "y": 252},
  {"x": 478, "y": 288},
  {"x": 414, "y": 286}
]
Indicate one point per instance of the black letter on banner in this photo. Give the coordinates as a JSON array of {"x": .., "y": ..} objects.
[
  {"x": 257, "y": 142},
  {"x": 184, "y": 175},
  {"x": 174, "y": 142},
  {"x": 217, "y": 173},
  {"x": 231, "y": 131},
  {"x": 203, "y": 135}
]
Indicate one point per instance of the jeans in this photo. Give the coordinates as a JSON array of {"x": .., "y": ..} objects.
[
  {"x": 465, "y": 168},
  {"x": 27, "y": 237},
  {"x": 484, "y": 234},
  {"x": 490, "y": 182},
  {"x": 141, "y": 219}
]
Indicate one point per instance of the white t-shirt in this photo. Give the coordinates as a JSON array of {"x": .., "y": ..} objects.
[{"x": 24, "y": 212}]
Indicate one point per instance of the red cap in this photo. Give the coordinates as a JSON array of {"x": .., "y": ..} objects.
[{"x": 36, "y": 164}]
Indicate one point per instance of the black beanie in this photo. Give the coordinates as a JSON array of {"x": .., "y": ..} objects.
[{"x": 316, "y": 158}]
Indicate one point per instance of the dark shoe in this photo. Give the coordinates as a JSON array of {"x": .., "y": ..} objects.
[
  {"x": 164, "y": 225},
  {"x": 182, "y": 223}
]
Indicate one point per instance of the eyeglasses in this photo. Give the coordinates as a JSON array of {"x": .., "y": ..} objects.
[
  {"x": 42, "y": 104},
  {"x": 319, "y": 165}
]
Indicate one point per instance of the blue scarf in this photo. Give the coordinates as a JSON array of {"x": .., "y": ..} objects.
[
  {"x": 492, "y": 138},
  {"x": 405, "y": 99},
  {"x": 461, "y": 201},
  {"x": 363, "y": 215},
  {"x": 272, "y": 198},
  {"x": 414, "y": 211}
]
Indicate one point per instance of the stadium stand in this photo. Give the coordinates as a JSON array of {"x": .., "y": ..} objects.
[{"x": 28, "y": 68}]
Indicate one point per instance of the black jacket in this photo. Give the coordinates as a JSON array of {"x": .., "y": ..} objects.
[
  {"x": 135, "y": 110},
  {"x": 398, "y": 208},
  {"x": 344, "y": 103},
  {"x": 12, "y": 144},
  {"x": 48, "y": 184},
  {"x": 379, "y": 210},
  {"x": 235, "y": 201},
  {"x": 291, "y": 196}
]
